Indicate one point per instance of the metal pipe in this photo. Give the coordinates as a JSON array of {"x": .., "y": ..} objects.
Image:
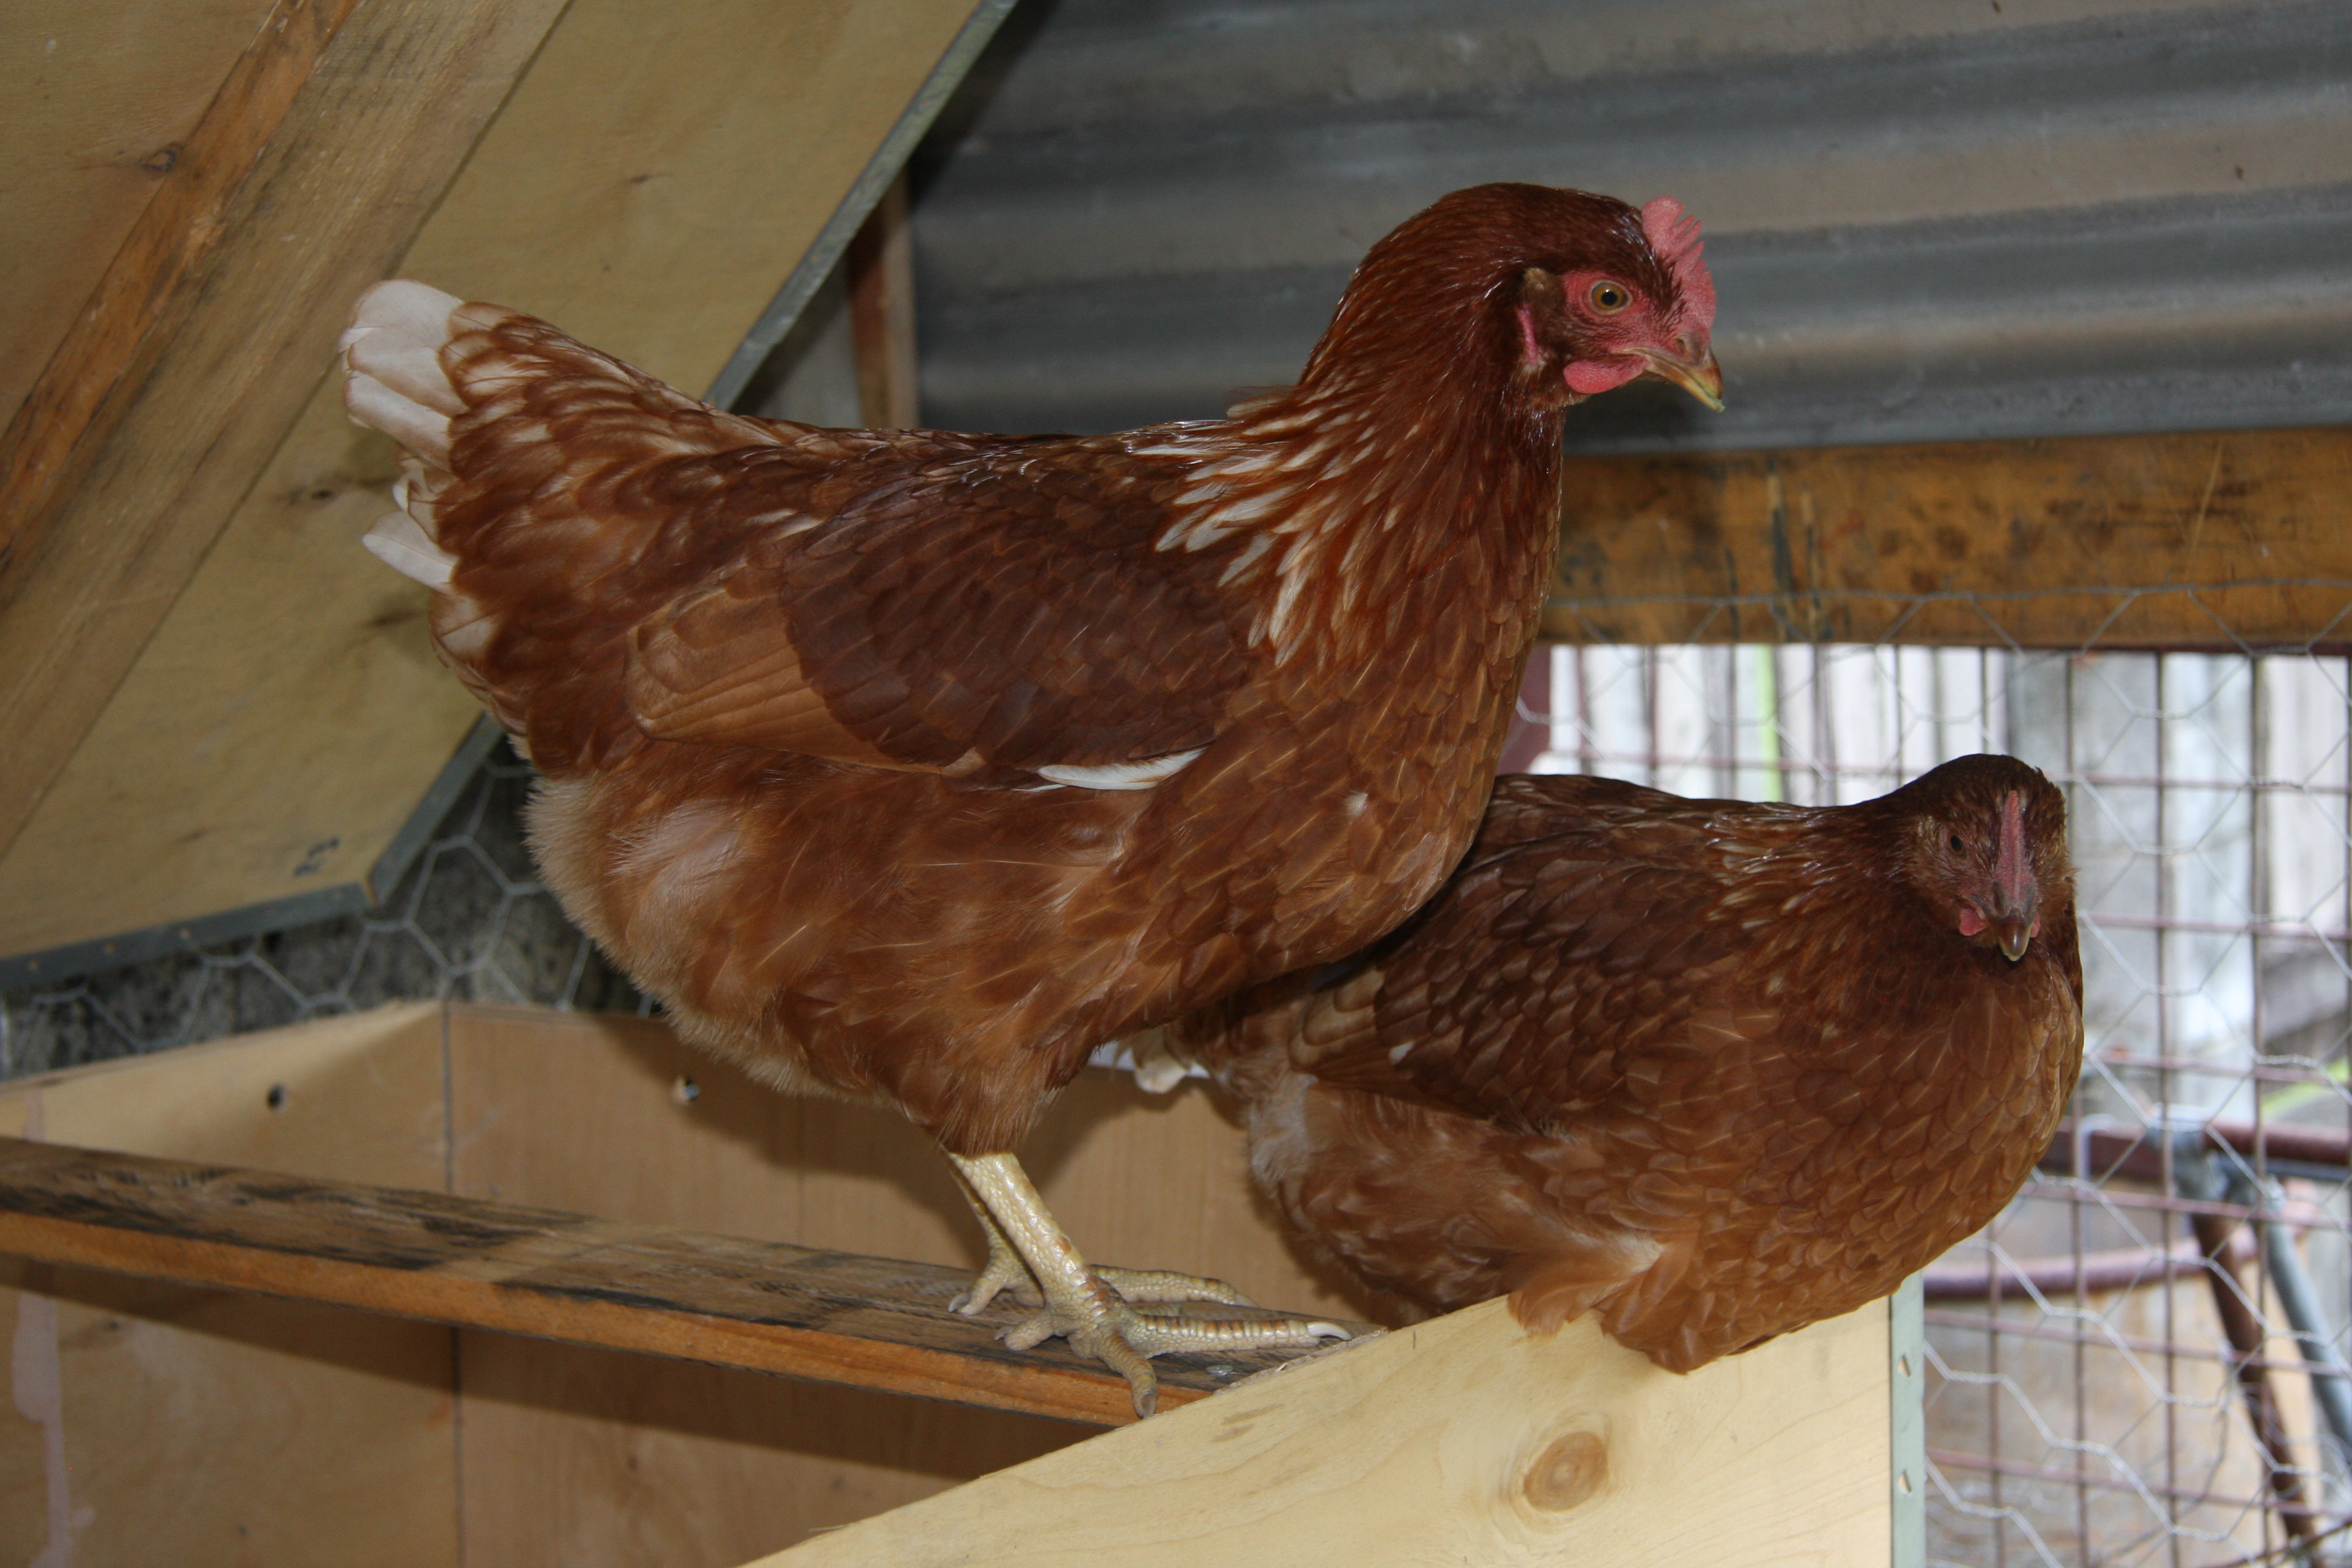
[
  {"x": 2243, "y": 1329},
  {"x": 2122, "y": 1268},
  {"x": 2331, "y": 1382}
]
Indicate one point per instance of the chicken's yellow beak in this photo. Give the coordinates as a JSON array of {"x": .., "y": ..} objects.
[{"x": 1702, "y": 378}]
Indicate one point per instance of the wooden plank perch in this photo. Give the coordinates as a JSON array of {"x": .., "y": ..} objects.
[{"x": 831, "y": 1317}]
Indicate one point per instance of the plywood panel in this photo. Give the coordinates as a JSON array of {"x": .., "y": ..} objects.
[
  {"x": 206, "y": 770},
  {"x": 340, "y": 1424},
  {"x": 575, "y": 1456},
  {"x": 648, "y": 185},
  {"x": 2207, "y": 541},
  {"x": 101, "y": 97},
  {"x": 566, "y": 1448},
  {"x": 161, "y": 1424},
  {"x": 355, "y": 1099},
  {"x": 327, "y": 144},
  {"x": 1463, "y": 1440}
]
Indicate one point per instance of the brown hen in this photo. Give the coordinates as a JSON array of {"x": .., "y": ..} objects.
[
  {"x": 1715, "y": 1069},
  {"x": 909, "y": 765}
]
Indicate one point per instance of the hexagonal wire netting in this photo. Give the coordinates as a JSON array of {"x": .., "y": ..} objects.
[
  {"x": 2121, "y": 1367},
  {"x": 470, "y": 920}
]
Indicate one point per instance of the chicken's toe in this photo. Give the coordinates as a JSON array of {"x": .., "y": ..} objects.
[
  {"x": 1123, "y": 1337},
  {"x": 1003, "y": 1271},
  {"x": 1167, "y": 1285}
]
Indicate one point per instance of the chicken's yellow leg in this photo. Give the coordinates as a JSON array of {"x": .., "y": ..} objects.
[
  {"x": 1082, "y": 1305},
  {"x": 1002, "y": 1271},
  {"x": 1005, "y": 1271}
]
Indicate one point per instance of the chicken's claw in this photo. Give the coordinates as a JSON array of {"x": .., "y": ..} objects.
[
  {"x": 1119, "y": 1317},
  {"x": 1101, "y": 1327}
]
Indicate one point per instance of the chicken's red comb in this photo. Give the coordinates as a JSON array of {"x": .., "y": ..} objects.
[{"x": 1673, "y": 235}]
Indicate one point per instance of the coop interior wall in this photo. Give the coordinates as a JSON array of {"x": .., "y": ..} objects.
[{"x": 193, "y": 1425}]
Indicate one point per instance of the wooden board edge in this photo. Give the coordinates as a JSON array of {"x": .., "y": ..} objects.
[{"x": 1462, "y": 1439}]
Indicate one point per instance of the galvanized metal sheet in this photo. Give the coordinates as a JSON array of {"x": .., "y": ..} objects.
[{"x": 1926, "y": 221}]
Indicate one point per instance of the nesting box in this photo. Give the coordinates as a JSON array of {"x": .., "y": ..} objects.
[{"x": 155, "y": 1420}]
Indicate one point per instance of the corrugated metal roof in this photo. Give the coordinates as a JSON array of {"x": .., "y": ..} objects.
[{"x": 1927, "y": 220}]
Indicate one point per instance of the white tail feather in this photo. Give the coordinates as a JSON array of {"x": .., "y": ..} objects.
[
  {"x": 414, "y": 426},
  {"x": 393, "y": 356},
  {"x": 400, "y": 543},
  {"x": 394, "y": 383},
  {"x": 408, "y": 367},
  {"x": 406, "y": 309}
]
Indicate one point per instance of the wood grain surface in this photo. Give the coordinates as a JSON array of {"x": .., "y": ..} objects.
[
  {"x": 103, "y": 96},
  {"x": 216, "y": 1426},
  {"x": 766, "y": 1305},
  {"x": 1461, "y": 1440},
  {"x": 312, "y": 171},
  {"x": 648, "y": 182},
  {"x": 2217, "y": 540}
]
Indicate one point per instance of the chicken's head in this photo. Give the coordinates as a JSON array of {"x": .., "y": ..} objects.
[
  {"x": 1559, "y": 294},
  {"x": 1988, "y": 848},
  {"x": 1635, "y": 302}
]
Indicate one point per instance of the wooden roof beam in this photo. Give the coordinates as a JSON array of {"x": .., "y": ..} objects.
[{"x": 328, "y": 144}]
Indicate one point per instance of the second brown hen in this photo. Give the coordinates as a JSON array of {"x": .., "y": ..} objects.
[{"x": 1716, "y": 1069}]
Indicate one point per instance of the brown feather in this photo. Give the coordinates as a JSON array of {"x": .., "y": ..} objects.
[{"x": 1718, "y": 1069}]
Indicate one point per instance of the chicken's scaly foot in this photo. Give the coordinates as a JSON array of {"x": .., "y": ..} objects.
[
  {"x": 1080, "y": 1305},
  {"x": 1002, "y": 1271},
  {"x": 1165, "y": 1285},
  {"x": 1005, "y": 1271}
]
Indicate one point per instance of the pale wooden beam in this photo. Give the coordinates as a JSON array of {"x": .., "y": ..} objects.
[
  {"x": 1463, "y": 1440},
  {"x": 649, "y": 180},
  {"x": 309, "y": 173},
  {"x": 831, "y": 1317},
  {"x": 2041, "y": 543}
]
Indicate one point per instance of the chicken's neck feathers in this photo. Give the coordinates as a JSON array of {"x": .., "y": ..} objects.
[{"x": 1344, "y": 500}]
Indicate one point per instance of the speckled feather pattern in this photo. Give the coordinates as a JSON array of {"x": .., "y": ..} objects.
[
  {"x": 790, "y": 688},
  {"x": 1717, "y": 1069}
]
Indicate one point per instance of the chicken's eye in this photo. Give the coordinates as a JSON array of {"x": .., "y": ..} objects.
[
  {"x": 1957, "y": 846},
  {"x": 1608, "y": 296}
]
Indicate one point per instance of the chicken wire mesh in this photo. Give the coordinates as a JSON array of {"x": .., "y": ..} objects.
[
  {"x": 470, "y": 920},
  {"x": 2129, "y": 1365}
]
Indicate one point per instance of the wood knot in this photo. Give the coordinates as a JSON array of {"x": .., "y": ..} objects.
[{"x": 1566, "y": 1473}]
